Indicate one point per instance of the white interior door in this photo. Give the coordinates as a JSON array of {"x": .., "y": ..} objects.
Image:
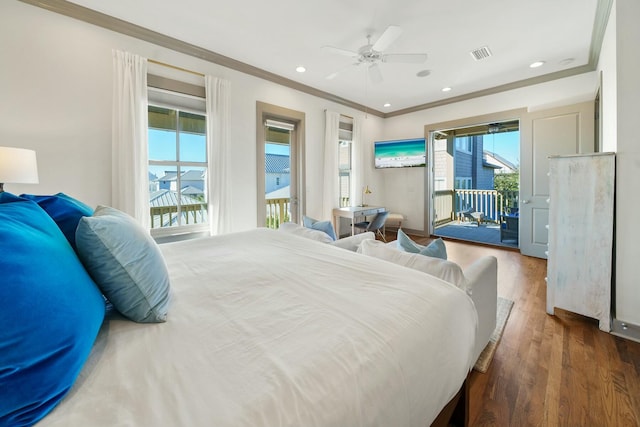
[{"x": 557, "y": 131}]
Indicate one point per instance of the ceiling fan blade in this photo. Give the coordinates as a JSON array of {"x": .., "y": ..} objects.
[
  {"x": 410, "y": 58},
  {"x": 338, "y": 72},
  {"x": 375, "y": 74},
  {"x": 387, "y": 38},
  {"x": 338, "y": 51}
]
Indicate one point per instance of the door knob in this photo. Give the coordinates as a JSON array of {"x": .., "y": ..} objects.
[{"x": 524, "y": 201}]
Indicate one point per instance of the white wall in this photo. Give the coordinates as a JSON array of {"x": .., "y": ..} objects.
[
  {"x": 608, "y": 91},
  {"x": 55, "y": 82},
  {"x": 627, "y": 90},
  {"x": 405, "y": 188},
  {"x": 56, "y": 99}
]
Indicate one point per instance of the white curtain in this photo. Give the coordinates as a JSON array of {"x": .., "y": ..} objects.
[
  {"x": 217, "y": 93},
  {"x": 331, "y": 189},
  {"x": 130, "y": 180},
  {"x": 357, "y": 164}
]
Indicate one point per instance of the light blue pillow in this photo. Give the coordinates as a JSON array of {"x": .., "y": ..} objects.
[
  {"x": 126, "y": 263},
  {"x": 64, "y": 210},
  {"x": 325, "y": 226},
  {"x": 50, "y": 313},
  {"x": 435, "y": 249}
]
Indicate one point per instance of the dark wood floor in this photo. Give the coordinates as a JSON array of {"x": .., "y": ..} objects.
[{"x": 549, "y": 370}]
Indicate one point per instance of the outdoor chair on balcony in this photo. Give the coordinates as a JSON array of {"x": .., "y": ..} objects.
[
  {"x": 375, "y": 225},
  {"x": 509, "y": 228},
  {"x": 471, "y": 215}
]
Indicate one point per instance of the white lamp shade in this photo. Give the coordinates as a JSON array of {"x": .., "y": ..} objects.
[{"x": 18, "y": 166}]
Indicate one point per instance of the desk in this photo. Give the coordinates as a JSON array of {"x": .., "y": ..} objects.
[{"x": 353, "y": 212}]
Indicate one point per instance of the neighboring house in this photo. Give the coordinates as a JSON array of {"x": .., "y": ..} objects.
[
  {"x": 280, "y": 193},
  {"x": 153, "y": 183},
  {"x": 471, "y": 171},
  {"x": 277, "y": 172},
  {"x": 191, "y": 191},
  {"x": 501, "y": 164},
  {"x": 168, "y": 181},
  {"x": 191, "y": 181}
]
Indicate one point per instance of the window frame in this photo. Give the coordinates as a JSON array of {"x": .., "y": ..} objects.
[
  {"x": 468, "y": 181},
  {"x": 181, "y": 167},
  {"x": 345, "y": 136},
  {"x": 468, "y": 144},
  {"x": 345, "y": 172}
]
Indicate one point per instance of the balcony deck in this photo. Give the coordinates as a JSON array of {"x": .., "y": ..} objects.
[{"x": 486, "y": 233}]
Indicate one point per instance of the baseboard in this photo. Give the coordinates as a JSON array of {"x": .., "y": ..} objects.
[
  {"x": 625, "y": 330},
  {"x": 411, "y": 231}
]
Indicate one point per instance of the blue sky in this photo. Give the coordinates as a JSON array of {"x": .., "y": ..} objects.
[
  {"x": 162, "y": 146},
  {"x": 506, "y": 144},
  {"x": 276, "y": 149}
]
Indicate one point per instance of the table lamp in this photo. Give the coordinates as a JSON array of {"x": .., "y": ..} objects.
[
  {"x": 365, "y": 190},
  {"x": 17, "y": 166}
]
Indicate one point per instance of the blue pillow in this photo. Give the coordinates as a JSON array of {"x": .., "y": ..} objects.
[
  {"x": 126, "y": 263},
  {"x": 65, "y": 211},
  {"x": 435, "y": 249},
  {"x": 50, "y": 313},
  {"x": 325, "y": 226}
]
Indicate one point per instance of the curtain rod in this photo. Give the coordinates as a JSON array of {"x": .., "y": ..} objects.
[
  {"x": 345, "y": 115},
  {"x": 153, "y": 61}
]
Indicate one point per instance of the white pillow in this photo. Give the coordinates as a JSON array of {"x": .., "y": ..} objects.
[
  {"x": 352, "y": 243},
  {"x": 443, "y": 269},
  {"x": 309, "y": 233}
]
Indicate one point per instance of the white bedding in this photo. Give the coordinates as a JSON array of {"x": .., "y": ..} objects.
[{"x": 270, "y": 329}]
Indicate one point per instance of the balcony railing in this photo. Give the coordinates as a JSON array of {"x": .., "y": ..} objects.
[
  {"x": 165, "y": 216},
  {"x": 447, "y": 204},
  {"x": 278, "y": 211},
  {"x": 492, "y": 203}
]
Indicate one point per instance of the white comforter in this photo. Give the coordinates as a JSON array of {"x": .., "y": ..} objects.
[{"x": 270, "y": 329}]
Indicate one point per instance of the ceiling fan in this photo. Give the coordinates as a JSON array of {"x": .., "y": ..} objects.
[{"x": 373, "y": 54}]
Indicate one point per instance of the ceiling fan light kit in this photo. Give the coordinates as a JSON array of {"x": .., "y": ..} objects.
[{"x": 373, "y": 54}]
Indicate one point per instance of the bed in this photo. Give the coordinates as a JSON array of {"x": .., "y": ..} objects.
[{"x": 271, "y": 329}]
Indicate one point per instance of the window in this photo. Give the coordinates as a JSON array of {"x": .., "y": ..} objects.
[
  {"x": 345, "y": 172},
  {"x": 464, "y": 144},
  {"x": 439, "y": 183},
  {"x": 345, "y": 159},
  {"x": 463, "y": 183},
  {"x": 177, "y": 170}
]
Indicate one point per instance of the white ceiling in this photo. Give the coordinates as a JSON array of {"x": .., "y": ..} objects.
[{"x": 280, "y": 35}]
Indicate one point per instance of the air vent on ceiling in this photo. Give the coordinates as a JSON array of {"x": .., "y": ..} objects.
[{"x": 480, "y": 53}]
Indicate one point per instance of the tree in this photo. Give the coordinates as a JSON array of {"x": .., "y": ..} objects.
[{"x": 507, "y": 182}]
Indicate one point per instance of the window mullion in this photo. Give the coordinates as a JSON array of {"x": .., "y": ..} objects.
[{"x": 179, "y": 169}]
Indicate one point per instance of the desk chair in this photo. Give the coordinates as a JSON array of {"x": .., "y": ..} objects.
[{"x": 375, "y": 225}]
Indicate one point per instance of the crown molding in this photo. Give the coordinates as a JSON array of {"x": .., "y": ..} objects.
[{"x": 72, "y": 10}]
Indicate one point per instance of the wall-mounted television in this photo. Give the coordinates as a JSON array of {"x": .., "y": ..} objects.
[{"x": 400, "y": 153}]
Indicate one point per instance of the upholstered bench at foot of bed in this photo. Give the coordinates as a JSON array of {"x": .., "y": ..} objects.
[{"x": 482, "y": 285}]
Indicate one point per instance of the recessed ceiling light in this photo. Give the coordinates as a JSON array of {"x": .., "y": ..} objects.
[
  {"x": 386, "y": 104},
  {"x": 301, "y": 69},
  {"x": 536, "y": 64},
  {"x": 446, "y": 89},
  {"x": 567, "y": 61},
  {"x": 423, "y": 73}
]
